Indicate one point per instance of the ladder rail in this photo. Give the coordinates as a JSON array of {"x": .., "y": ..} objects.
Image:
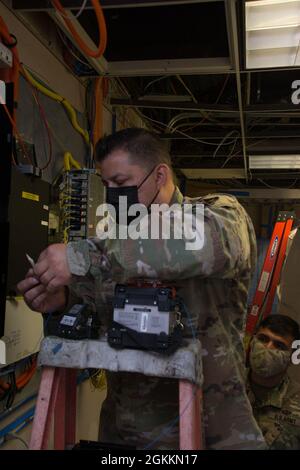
[
  {"x": 44, "y": 410},
  {"x": 270, "y": 275}
]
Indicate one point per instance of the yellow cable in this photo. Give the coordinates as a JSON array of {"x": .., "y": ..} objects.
[
  {"x": 55, "y": 96},
  {"x": 73, "y": 119},
  {"x": 65, "y": 234},
  {"x": 69, "y": 160},
  {"x": 98, "y": 380},
  {"x": 247, "y": 339}
]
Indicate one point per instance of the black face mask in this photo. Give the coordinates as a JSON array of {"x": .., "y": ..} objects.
[{"x": 113, "y": 195}]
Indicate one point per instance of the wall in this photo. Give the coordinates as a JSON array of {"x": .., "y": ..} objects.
[{"x": 64, "y": 137}]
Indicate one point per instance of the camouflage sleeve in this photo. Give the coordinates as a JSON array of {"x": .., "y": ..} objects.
[
  {"x": 227, "y": 234},
  {"x": 72, "y": 299}
]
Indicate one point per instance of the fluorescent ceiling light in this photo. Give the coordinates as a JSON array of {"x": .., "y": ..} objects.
[
  {"x": 259, "y": 3},
  {"x": 274, "y": 162},
  {"x": 272, "y": 33}
]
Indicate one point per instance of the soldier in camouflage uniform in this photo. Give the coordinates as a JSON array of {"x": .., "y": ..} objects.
[
  {"x": 213, "y": 282},
  {"x": 275, "y": 398}
]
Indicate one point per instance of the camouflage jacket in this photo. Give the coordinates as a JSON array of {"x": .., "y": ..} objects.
[
  {"x": 277, "y": 412},
  {"x": 213, "y": 283}
]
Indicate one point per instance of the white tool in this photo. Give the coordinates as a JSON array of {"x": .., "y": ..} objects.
[{"x": 32, "y": 263}]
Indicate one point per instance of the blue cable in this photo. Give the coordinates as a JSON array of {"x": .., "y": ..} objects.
[
  {"x": 19, "y": 421},
  {"x": 28, "y": 421},
  {"x": 5, "y": 413}
]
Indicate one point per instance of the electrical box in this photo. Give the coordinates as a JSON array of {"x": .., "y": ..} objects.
[
  {"x": 25, "y": 231},
  {"x": 24, "y": 209},
  {"x": 28, "y": 215},
  {"x": 81, "y": 192}
]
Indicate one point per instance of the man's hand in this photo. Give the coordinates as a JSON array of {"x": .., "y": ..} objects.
[
  {"x": 52, "y": 269},
  {"x": 38, "y": 299}
]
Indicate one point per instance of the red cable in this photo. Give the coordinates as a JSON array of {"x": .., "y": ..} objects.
[
  {"x": 14, "y": 125},
  {"x": 44, "y": 118}
]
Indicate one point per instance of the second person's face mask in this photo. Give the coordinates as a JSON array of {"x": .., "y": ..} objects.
[
  {"x": 267, "y": 362},
  {"x": 131, "y": 192}
]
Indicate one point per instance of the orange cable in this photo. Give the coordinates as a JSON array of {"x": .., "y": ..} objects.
[
  {"x": 101, "y": 26},
  {"x": 44, "y": 119},
  {"x": 22, "y": 380},
  {"x": 13, "y": 76}
]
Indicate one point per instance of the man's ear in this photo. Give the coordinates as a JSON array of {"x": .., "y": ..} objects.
[{"x": 162, "y": 174}]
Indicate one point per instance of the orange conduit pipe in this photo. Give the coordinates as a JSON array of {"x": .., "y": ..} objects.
[
  {"x": 22, "y": 380},
  {"x": 13, "y": 74},
  {"x": 98, "y": 123},
  {"x": 25, "y": 378},
  {"x": 101, "y": 26}
]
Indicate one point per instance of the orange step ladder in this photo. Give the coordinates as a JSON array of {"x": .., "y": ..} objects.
[
  {"x": 265, "y": 292},
  {"x": 57, "y": 399}
]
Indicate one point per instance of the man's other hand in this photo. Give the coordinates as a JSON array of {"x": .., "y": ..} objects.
[
  {"x": 52, "y": 269},
  {"x": 38, "y": 299}
]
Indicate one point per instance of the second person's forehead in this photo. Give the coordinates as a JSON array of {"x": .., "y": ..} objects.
[
  {"x": 273, "y": 336},
  {"x": 265, "y": 331}
]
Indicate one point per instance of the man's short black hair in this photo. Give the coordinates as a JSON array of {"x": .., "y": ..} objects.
[
  {"x": 144, "y": 147},
  {"x": 281, "y": 325}
]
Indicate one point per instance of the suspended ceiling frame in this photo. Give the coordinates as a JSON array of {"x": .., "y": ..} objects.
[
  {"x": 180, "y": 66},
  {"x": 197, "y": 66}
]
